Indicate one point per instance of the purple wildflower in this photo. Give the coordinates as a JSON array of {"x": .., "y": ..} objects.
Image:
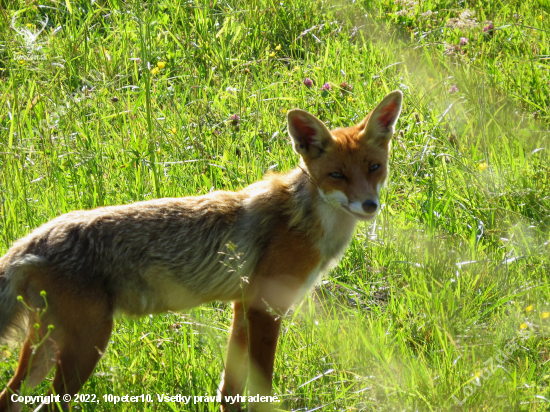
[
  {"x": 463, "y": 41},
  {"x": 326, "y": 87},
  {"x": 235, "y": 119},
  {"x": 453, "y": 89},
  {"x": 308, "y": 82},
  {"x": 489, "y": 28}
]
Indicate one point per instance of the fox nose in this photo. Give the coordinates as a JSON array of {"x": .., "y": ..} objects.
[{"x": 370, "y": 206}]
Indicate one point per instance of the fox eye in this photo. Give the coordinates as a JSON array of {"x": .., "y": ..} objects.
[
  {"x": 374, "y": 167},
  {"x": 337, "y": 175}
]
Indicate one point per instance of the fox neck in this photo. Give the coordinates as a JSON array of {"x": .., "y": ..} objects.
[{"x": 337, "y": 225}]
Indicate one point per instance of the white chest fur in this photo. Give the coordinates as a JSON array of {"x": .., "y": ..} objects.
[{"x": 338, "y": 228}]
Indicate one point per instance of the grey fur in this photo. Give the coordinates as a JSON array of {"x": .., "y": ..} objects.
[{"x": 141, "y": 249}]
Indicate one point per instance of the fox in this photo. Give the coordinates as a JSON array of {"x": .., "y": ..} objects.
[{"x": 83, "y": 268}]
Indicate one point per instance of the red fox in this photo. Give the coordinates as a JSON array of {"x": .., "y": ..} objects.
[{"x": 172, "y": 254}]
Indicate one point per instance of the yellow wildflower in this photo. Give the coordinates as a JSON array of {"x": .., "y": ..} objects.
[
  {"x": 540, "y": 17},
  {"x": 482, "y": 166},
  {"x": 173, "y": 130},
  {"x": 154, "y": 70},
  {"x": 545, "y": 315},
  {"x": 161, "y": 65},
  {"x": 350, "y": 99},
  {"x": 278, "y": 47},
  {"x": 272, "y": 54},
  {"x": 523, "y": 326},
  {"x": 529, "y": 308},
  {"x": 30, "y": 26}
]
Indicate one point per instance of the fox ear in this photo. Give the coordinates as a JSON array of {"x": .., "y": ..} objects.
[
  {"x": 380, "y": 123},
  {"x": 310, "y": 136}
]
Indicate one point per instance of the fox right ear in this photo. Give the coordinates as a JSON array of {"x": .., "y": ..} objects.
[
  {"x": 310, "y": 136},
  {"x": 381, "y": 122}
]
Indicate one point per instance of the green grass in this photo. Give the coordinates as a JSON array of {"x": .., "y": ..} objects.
[{"x": 425, "y": 297}]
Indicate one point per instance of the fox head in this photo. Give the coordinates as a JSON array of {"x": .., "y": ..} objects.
[{"x": 348, "y": 165}]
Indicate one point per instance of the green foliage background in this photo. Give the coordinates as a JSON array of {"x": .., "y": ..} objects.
[{"x": 115, "y": 102}]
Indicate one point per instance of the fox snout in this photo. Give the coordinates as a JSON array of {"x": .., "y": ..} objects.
[
  {"x": 364, "y": 210},
  {"x": 370, "y": 206}
]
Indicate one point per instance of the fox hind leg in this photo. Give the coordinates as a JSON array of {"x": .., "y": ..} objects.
[
  {"x": 15, "y": 383},
  {"x": 35, "y": 362},
  {"x": 85, "y": 335},
  {"x": 78, "y": 358},
  {"x": 75, "y": 354},
  {"x": 82, "y": 320}
]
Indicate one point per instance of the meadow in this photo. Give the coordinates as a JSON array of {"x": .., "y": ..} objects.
[{"x": 440, "y": 304}]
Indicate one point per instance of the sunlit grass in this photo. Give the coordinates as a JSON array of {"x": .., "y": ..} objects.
[{"x": 119, "y": 102}]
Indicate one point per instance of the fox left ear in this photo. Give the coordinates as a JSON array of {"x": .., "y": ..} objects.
[{"x": 380, "y": 123}]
